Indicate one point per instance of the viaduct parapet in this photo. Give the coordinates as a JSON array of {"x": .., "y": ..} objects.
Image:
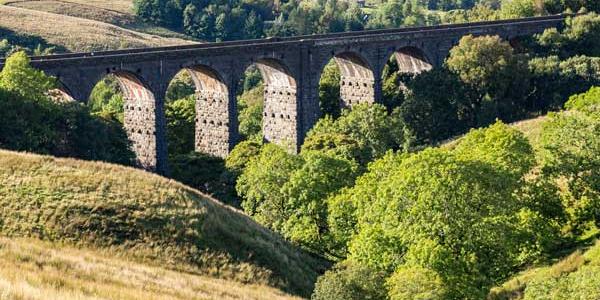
[{"x": 290, "y": 68}]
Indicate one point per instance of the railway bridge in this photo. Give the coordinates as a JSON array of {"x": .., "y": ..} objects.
[{"x": 290, "y": 67}]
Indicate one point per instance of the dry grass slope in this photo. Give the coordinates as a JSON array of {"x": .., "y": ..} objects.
[
  {"x": 35, "y": 270},
  {"x": 78, "y": 34},
  {"x": 145, "y": 217},
  {"x": 115, "y": 12}
]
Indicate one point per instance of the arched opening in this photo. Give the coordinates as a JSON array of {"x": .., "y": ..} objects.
[
  {"x": 180, "y": 114},
  {"x": 402, "y": 66},
  {"x": 412, "y": 60},
  {"x": 197, "y": 112},
  {"x": 356, "y": 80},
  {"x": 124, "y": 96},
  {"x": 278, "y": 111},
  {"x": 212, "y": 135}
]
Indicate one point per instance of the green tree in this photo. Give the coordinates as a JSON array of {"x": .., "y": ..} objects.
[
  {"x": 588, "y": 101},
  {"x": 497, "y": 77},
  {"x": 107, "y": 100},
  {"x": 369, "y": 125},
  {"x": 307, "y": 191},
  {"x": 260, "y": 185},
  {"x": 514, "y": 9},
  {"x": 253, "y": 26},
  {"x": 570, "y": 149},
  {"x": 250, "y": 106},
  {"x": 451, "y": 211},
  {"x": 329, "y": 90},
  {"x": 17, "y": 76},
  {"x": 180, "y": 115},
  {"x": 414, "y": 282},
  {"x": 432, "y": 113}
]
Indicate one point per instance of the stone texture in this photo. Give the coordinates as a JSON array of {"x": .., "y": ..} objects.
[
  {"x": 212, "y": 113},
  {"x": 139, "y": 120},
  {"x": 412, "y": 60},
  {"x": 280, "y": 114},
  {"x": 356, "y": 80}
]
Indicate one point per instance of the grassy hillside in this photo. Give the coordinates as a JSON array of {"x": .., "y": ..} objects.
[
  {"x": 30, "y": 269},
  {"x": 574, "y": 277},
  {"x": 115, "y": 12},
  {"x": 77, "y": 34},
  {"x": 141, "y": 216},
  {"x": 531, "y": 128}
]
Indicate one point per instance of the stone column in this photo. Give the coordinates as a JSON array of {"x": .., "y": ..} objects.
[
  {"x": 212, "y": 123},
  {"x": 144, "y": 123},
  {"x": 280, "y": 116}
]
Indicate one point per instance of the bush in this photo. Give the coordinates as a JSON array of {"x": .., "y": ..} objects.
[
  {"x": 589, "y": 100},
  {"x": 181, "y": 125},
  {"x": 415, "y": 283},
  {"x": 367, "y": 126},
  {"x": 32, "y": 121},
  {"x": 250, "y": 106},
  {"x": 350, "y": 282}
]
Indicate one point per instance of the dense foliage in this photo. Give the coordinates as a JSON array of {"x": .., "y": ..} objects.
[
  {"x": 32, "y": 121},
  {"x": 233, "y": 20}
]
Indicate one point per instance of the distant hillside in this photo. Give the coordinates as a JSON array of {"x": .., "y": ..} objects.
[
  {"x": 142, "y": 216},
  {"x": 35, "y": 270},
  {"x": 115, "y": 12},
  {"x": 77, "y": 34}
]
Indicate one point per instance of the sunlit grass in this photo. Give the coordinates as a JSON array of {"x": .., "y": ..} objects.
[
  {"x": 31, "y": 269},
  {"x": 77, "y": 34}
]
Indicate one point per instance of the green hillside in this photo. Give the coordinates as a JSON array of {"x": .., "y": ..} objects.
[
  {"x": 574, "y": 277},
  {"x": 141, "y": 216}
]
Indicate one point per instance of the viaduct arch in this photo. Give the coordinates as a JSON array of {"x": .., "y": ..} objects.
[{"x": 290, "y": 67}]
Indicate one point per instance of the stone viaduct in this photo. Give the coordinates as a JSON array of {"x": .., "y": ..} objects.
[{"x": 290, "y": 67}]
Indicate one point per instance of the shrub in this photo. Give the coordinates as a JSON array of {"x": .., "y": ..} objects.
[
  {"x": 350, "y": 282},
  {"x": 417, "y": 283},
  {"x": 61, "y": 129},
  {"x": 570, "y": 153},
  {"x": 589, "y": 100}
]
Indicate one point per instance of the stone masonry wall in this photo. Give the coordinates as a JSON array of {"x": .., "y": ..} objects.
[
  {"x": 212, "y": 122},
  {"x": 355, "y": 90},
  {"x": 140, "y": 120},
  {"x": 357, "y": 84},
  {"x": 280, "y": 116}
]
